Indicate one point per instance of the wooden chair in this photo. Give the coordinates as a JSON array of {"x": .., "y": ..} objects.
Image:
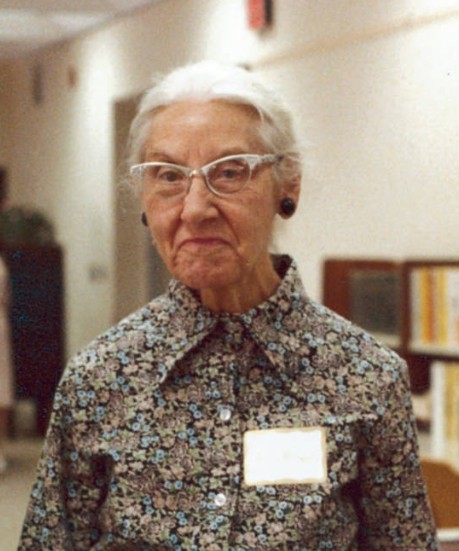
[{"x": 443, "y": 486}]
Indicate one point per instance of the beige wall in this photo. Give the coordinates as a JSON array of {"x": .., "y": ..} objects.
[
  {"x": 5, "y": 108},
  {"x": 375, "y": 87}
]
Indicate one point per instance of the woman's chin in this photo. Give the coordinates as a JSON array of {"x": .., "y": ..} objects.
[{"x": 201, "y": 275}]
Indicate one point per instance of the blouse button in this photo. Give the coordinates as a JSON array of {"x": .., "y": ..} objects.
[
  {"x": 225, "y": 414},
  {"x": 220, "y": 500}
]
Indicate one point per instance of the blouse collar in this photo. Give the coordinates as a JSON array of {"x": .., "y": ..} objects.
[{"x": 277, "y": 325}]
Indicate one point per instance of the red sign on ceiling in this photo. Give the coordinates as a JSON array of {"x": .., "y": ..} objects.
[{"x": 259, "y": 13}]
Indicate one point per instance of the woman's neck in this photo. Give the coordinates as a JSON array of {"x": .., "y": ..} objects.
[{"x": 245, "y": 294}]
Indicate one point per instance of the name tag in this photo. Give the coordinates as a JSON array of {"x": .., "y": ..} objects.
[{"x": 285, "y": 456}]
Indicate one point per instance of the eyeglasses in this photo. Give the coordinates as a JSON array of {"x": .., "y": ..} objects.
[{"x": 223, "y": 177}]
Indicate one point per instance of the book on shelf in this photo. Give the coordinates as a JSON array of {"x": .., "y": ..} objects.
[
  {"x": 445, "y": 409},
  {"x": 434, "y": 303}
]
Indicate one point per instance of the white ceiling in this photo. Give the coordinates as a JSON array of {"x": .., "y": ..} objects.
[{"x": 28, "y": 25}]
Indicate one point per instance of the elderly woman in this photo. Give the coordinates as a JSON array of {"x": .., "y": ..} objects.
[{"x": 231, "y": 413}]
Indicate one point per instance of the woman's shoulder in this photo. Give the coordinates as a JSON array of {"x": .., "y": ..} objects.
[
  {"x": 129, "y": 339},
  {"x": 341, "y": 334}
]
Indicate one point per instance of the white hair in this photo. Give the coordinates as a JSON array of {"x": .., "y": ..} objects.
[{"x": 209, "y": 81}]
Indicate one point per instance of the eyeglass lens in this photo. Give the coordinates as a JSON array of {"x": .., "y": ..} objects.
[{"x": 229, "y": 176}]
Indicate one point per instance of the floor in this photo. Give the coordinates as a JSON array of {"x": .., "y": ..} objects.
[{"x": 15, "y": 486}]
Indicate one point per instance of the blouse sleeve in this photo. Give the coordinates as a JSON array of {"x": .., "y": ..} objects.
[
  {"x": 69, "y": 487},
  {"x": 393, "y": 504}
]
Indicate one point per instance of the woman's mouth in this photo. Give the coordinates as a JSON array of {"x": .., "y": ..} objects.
[{"x": 203, "y": 244}]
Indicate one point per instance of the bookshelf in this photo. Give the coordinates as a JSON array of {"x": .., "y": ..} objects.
[
  {"x": 444, "y": 429},
  {"x": 431, "y": 308},
  {"x": 412, "y": 306}
]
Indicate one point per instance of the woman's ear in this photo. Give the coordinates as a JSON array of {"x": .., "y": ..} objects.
[{"x": 289, "y": 195}]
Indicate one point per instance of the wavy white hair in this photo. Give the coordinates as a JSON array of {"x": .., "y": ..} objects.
[{"x": 210, "y": 81}]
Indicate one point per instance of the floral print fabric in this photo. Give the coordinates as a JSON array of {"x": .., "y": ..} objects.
[{"x": 145, "y": 447}]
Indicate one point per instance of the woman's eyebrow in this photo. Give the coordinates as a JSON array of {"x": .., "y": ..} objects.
[{"x": 158, "y": 155}]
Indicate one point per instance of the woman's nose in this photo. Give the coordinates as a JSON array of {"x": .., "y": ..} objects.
[{"x": 198, "y": 203}]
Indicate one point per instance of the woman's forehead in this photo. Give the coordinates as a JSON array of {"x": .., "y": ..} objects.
[{"x": 228, "y": 128}]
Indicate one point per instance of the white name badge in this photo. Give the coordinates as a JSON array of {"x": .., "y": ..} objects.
[{"x": 285, "y": 456}]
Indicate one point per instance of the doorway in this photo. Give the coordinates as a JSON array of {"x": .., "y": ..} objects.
[{"x": 140, "y": 274}]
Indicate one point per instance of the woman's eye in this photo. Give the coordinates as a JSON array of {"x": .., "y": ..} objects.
[
  {"x": 169, "y": 175},
  {"x": 229, "y": 171}
]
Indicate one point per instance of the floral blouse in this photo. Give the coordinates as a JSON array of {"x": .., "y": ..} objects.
[{"x": 145, "y": 449}]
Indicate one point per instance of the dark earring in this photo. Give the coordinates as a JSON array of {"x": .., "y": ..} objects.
[
  {"x": 287, "y": 206},
  {"x": 144, "y": 220}
]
